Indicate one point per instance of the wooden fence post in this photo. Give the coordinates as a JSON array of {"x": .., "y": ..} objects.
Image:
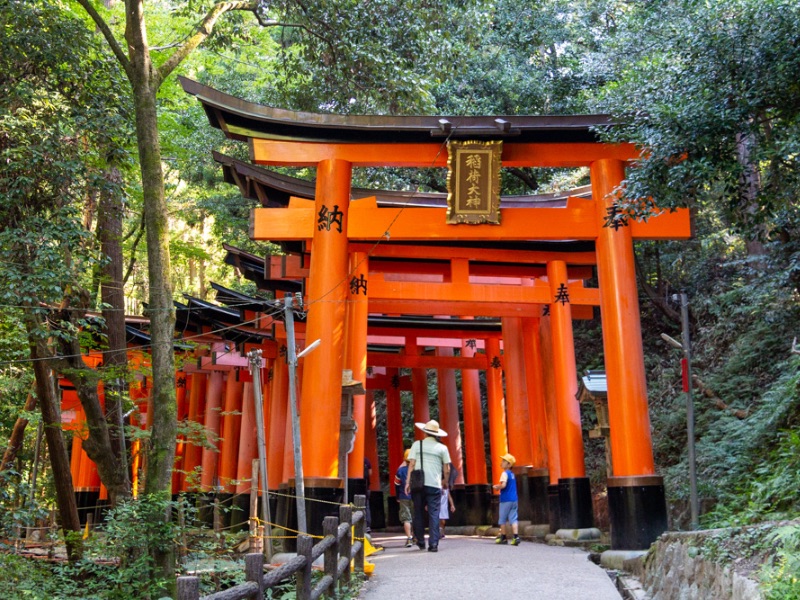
[
  {"x": 330, "y": 527},
  {"x": 345, "y": 544},
  {"x": 303, "y": 576},
  {"x": 361, "y": 503},
  {"x": 183, "y": 546},
  {"x": 188, "y": 588},
  {"x": 254, "y": 571}
]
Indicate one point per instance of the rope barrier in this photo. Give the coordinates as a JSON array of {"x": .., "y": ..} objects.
[
  {"x": 311, "y": 499},
  {"x": 290, "y": 537}
]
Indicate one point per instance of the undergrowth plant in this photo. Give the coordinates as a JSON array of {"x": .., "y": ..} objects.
[{"x": 780, "y": 579}]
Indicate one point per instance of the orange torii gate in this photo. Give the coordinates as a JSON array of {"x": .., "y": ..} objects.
[
  {"x": 527, "y": 432},
  {"x": 528, "y": 438},
  {"x": 336, "y": 144}
]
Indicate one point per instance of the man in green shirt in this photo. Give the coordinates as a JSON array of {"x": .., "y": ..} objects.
[{"x": 433, "y": 458}]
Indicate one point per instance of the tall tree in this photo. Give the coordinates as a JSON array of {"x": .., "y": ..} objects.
[
  {"x": 711, "y": 90},
  {"x": 56, "y": 109}
]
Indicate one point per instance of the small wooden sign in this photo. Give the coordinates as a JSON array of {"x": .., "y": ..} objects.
[{"x": 473, "y": 182}]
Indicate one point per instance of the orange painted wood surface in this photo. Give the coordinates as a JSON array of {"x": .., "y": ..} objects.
[
  {"x": 570, "y": 438},
  {"x": 193, "y": 452},
  {"x": 474, "y": 450},
  {"x": 248, "y": 449},
  {"x": 210, "y": 457},
  {"x": 278, "y": 417},
  {"x": 473, "y": 292},
  {"x": 434, "y": 154},
  {"x": 576, "y": 222},
  {"x": 631, "y": 442},
  {"x": 394, "y": 426},
  {"x": 356, "y": 358},
  {"x": 446, "y": 253},
  {"x": 496, "y": 404},
  {"x": 371, "y": 445},
  {"x": 410, "y": 361},
  {"x": 384, "y": 382},
  {"x": 518, "y": 422},
  {"x": 534, "y": 373},
  {"x": 448, "y": 413},
  {"x": 327, "y": 291},
  {"x": 231, "y": 423}
]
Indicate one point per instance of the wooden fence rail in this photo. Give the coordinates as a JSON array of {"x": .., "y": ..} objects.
[{"x": 338, "y": 547}]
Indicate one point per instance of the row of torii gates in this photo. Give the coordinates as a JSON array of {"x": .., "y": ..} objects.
[
  {"x": 516, "y": 270},
  {"x": 395, "y": 272}
]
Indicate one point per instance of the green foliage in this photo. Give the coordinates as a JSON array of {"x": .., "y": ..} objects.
[
  {"x": 117, "y": 563},
  {"x": 781, "y": 579},
  {"x": 687, "y": 80},
  {"x": 15, "y": 379},
  {"x": 59, "y": 116},
  {"x": 16, "y": 513}
]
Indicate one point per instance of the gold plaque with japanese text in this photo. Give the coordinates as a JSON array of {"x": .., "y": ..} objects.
[{"x": 473, "y": 182}]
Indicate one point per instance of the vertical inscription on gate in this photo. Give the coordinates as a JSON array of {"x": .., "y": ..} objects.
[{"x": 473, "y": 182}]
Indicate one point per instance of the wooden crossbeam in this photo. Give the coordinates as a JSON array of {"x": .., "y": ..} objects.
[
  {"x": 578, "y": 221},
  {"x": 489, "y": 255},
  {"x": 383, "y": 382},
  {"x": 470, "y": 292},
  {"x": 383, "y": 359},
  {"x": 466, "y": 309},
  {"x": 308, "y": 154}
]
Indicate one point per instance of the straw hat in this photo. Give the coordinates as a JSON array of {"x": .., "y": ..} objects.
[
  {"x": 431, "y": 428},
  {"x": 509, "y": 458}
]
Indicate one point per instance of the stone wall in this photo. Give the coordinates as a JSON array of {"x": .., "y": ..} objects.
[{"x": 674, "y": 570}]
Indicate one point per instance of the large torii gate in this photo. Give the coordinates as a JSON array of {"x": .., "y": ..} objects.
[{"x": 336, "y": 144}]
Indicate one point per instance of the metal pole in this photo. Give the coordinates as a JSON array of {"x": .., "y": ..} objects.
[
  {"x": 291, "y": 360},
  {"x": 687, "y": 353},
  {"x": 255, "y": 370}
]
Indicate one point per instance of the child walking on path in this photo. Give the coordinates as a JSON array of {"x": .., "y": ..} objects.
[
  {"x": 446, "y": 506},
  {"x": 508, "y": 503},
  {"x": 404, "y": 499}
]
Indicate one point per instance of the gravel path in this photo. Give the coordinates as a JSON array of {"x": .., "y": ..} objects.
[{"x": 475, "y": 568}]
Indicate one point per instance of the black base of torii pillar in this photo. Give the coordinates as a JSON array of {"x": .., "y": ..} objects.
[
  {"x": 323, "y": 496},
  {"x": 575, "y": 503},
  {"x": 638, "y": 510}
]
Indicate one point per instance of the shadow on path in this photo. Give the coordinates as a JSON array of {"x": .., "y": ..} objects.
[{"x": 467, "y": 568}]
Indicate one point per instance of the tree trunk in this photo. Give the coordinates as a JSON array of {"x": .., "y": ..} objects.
[
  {"x": 161, "y": 452},
  {"x": 160, "y": 455},
  {"x": 59, "y": 460},
  {"x": 17, "y": 435},
  {"x": 749, "y": 188},
  {"x": 115, "y": 361}
]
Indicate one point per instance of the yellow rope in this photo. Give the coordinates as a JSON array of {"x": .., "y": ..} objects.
[
  {"x": 290, "y": 537},
  {"x": 311, "y": 499}
]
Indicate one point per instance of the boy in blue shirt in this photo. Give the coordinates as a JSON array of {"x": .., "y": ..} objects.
[
  {"x": 509, "y": 519},
  {"x": 404, "y": 499}
]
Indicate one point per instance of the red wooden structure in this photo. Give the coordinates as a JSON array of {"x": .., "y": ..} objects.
[{"x": 385, "y": 270}]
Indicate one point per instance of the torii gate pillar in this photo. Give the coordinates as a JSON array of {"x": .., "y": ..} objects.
[
  {"x": 538, "y": 475},
  {"x": 356, "y": 360},
  {"x": 518, "y": 426},
  {"x": 321, "y": 391},
  {"x": 477, "y": 491},
  {"x": 636, "y": 499},
  {"x": 498, "y": 440}
]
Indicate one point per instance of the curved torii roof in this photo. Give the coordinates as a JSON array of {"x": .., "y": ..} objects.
[
  {"x": 274, "y": 189},
  {"x": 241, "y": 120}
]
